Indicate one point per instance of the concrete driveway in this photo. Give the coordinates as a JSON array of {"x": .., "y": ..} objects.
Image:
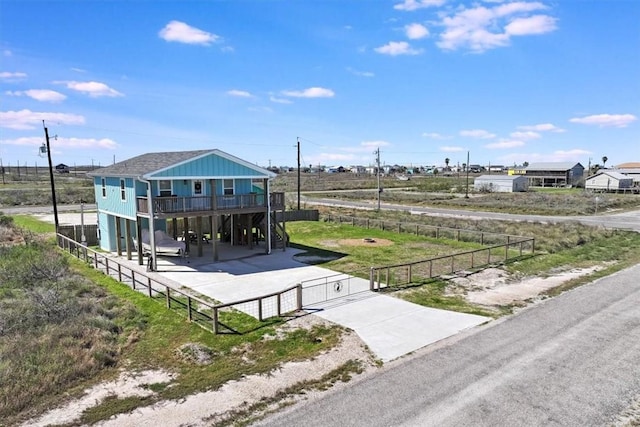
[{"x": 389, "y": 326}]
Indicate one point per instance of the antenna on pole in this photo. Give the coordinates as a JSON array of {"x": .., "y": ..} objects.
[{"x": 53, "y": 185}]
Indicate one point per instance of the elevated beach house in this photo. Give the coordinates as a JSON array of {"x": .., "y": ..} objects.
[{"x": 193, "y": 197}]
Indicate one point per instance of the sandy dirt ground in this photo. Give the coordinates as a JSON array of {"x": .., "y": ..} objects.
[
  {"x": 494, "y": 286},
  {"x": 204, "y": 409}
]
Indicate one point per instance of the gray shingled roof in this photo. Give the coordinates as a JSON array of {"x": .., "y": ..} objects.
[
  {"x": 551, "y": 166},
  {"x": 147, "y": 163}
]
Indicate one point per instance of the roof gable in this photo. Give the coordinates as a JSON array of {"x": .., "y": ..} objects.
[{"x": 183, "y": 164}]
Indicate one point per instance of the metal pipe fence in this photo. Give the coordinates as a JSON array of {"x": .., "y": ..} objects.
[
  {"x": 403, "y": 274},
  {"x": 203, "y": 313},
  {"x": 435, "y": 231}
]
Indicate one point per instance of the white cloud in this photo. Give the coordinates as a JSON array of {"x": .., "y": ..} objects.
[
  {"x": 312, "y": 92},
  {"x": 504, "y": 144},
  {"x": 525, "y": 135},
  {"x": 410, "y": 5},
  {"x": 8, "y": 76},
  {"x": 480, "y": 28},
  {"x": 27, "y": 119},
  {"x": 538, "y": 24},
  {"x": 176, "y": 31},
  {"x": 43, "y": 95},
  {"x": 397, "y": 48},
  {"x": 360, "y": 73},
  {"x": 416, "y": 31},
  {"x": 435, "y": 135},
  {"x": 374, "y": 144},
  {"x": 280, "y": 100},
  {"x": 451, "y": 149},
  {"x": 606, "y": 120},
  {"x": 543, "y": 127},
  {"x": 477, "y": 133},
  {"x": 574, "y": 155},
  {"x": 239, "y": 93},
  {"x": 61, "y": 142},
  {"x": 93, "y": 89}
]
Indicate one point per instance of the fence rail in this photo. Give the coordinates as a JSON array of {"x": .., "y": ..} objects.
[
  {"x": 203, "y": 313},
  {"x": 438, "y": 232},
  {"x": 403, "y": 274}
]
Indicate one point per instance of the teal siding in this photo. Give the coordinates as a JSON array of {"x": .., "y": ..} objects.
[
  {"x": 113, "y": 203},
  {"x": 209, "y": 166}
]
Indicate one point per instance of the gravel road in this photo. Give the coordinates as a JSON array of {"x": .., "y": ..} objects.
[{"x": 573, "y": 360}]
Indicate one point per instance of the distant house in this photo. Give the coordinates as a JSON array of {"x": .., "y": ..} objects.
[
  {"x": 554, "y": 174},
  {"x": 208, "y": 191},
  {"x": 495, "y": 168},
  {"x": 62, "y": 168},
  {"x": 608, "y": 180},
  {"x": 500, "y": 183}
]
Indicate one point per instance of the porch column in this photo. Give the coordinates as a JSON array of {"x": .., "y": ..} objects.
[
  {"x": 268, "y": 236},
  {"x": 199, "y": 234},
  {"x": 185, "y": 233},
  {"x": 127, "y": 228},
  {"x": 250, "y": 230},
  {"x": 174, "y": 225},
  {"x": 118, "y": 235},
  {"x": 139, "y": 240},
  {"x": 284, "y": 228},
  {"x": 214, "y": 236}
]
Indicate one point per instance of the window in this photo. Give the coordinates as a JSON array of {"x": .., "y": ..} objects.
[
  {"x": 197, "y": 188},
  {"x": 227, "y": 185},
  {"x": 123, "y": 192},
  {"x": 164, "y": 187},
  {"x": 103, "y": 183}
]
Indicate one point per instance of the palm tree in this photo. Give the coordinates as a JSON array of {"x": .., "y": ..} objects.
[
  {"x": 604, "y": 161},
  {"x": 446, "y": 162}
]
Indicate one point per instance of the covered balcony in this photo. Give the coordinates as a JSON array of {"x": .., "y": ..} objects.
[{"x": 172, "y": 206}]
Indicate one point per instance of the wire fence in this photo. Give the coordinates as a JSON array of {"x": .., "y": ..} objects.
[{"x": 218, "y": 318}]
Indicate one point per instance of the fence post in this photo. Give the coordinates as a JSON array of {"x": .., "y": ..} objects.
[
  {"x": 189, "y": 308},
  {"x": 260, "y": 309},
  {"x": 95, "y": 259},
  {"x": 399, "y": 227},
  {"x": 437, "y": 232},
  {"x": 299, "y": 296},
  {"x": 472, "y": 253},
  {"x": 133, "y": 280},
  {"x": 533, "y": 246},
  {"x": 149, "y": 286},
  {"x": 430, "y": 269},
  {"x": 371, "y": 273},
  {"x": 106, "y": 264},
  {"x": 452, "y": 261},
  {"x": 458, "y": 235},
  {"x": 168, "y": 296},
  {"x": 417, "y": 230},
  {"x": 409, "y": 273},
  {"x": 215, "y": 320},
  {"x": 388, "y": 276},
  {"x": 119, "y": 273},
  {"x": 279, "y": 304},
  {"x": 367, "y": 223},
  {"x": 489, "y": 256},
  {"x": 482, "y": 238}
]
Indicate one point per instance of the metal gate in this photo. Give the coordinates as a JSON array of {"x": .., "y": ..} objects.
[{"x": 332, "y": 287}]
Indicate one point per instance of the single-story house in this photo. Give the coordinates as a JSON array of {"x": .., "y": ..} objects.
[
  {"x": 62, "y": 168},
  {"x": 608, "y": 180},
  {"x": 207, "y": 190},
  {"x": 500, "y": 183},
  {"x": 554, "y": 174}
]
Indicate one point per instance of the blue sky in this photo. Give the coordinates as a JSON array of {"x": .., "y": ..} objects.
[{"x": 422, "y": 80}]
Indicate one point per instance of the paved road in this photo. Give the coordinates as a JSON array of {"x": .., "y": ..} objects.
[
  {"x": 626, "y": 220},
  {"x": 573, "y": 360}
]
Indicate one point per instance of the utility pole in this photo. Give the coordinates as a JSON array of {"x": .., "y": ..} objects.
[
  {"x": 466, "y": 193},
  {"x": 53, "y": 185},
  {"x": 298, "y": 140},
  {"x": 377, "y": 153}
]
